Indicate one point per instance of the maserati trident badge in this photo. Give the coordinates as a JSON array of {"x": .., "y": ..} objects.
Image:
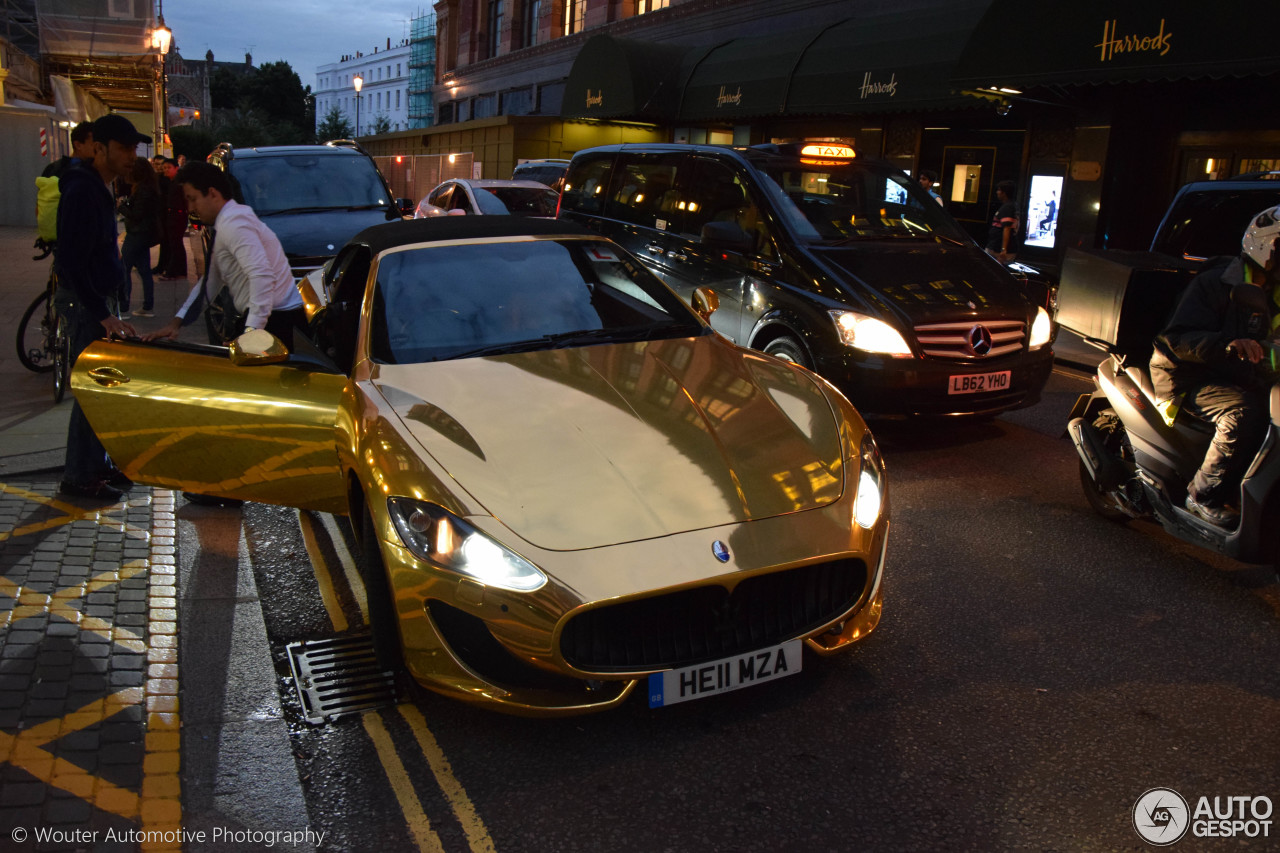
[{"x": 721, "y": 551}]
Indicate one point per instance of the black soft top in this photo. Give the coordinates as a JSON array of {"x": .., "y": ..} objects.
[{"x": 433, "y": 229}]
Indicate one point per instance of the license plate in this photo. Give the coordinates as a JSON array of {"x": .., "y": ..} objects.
[
  {"x": 721, "y": 676},
  {"x": 976, "y": 383}
]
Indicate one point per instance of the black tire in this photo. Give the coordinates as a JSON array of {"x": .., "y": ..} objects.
[
  {"x": 218, "y": 323},
  {"x": 61, "y": 358},
  {"x": 1112, "y": 504},
  {"x": 789, "y": 349},
  {"x": 33, "y": 336},
  {"x": 382, "y": 613}
]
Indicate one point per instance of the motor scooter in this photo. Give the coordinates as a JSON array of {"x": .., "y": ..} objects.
[{"x": 1135, "y": 465}]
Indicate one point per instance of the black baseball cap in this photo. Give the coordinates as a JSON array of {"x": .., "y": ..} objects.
[{"x": 117, "y": 127}]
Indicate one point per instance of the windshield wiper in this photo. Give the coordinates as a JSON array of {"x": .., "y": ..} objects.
[{"x": 563, "y": 340}]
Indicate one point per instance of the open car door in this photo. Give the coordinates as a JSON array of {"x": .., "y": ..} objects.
[{"x": 182, "y": 416}]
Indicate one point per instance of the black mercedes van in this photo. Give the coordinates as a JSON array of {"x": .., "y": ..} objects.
[{"x": 823, "y": 258}]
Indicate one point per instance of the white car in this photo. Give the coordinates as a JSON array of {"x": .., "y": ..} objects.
[{"x": 489, "y": 197}]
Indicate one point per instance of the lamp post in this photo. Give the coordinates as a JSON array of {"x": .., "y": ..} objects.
[
  {"x": 358, "y": 82},
  {"x": 161, "y": 38}
]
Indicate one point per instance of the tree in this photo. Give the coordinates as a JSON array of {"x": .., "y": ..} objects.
[
  {"x": 381, "y": 124},
  {"x": 334, "y": 126},
  {"x": 276, "y": 90}
]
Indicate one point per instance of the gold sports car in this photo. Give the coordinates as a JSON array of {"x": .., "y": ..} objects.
[{"x": 563, "y": 483}]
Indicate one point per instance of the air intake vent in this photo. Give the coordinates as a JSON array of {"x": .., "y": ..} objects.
[{"x": 710, "y": 622}]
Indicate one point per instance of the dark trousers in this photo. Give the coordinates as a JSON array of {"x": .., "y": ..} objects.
[
  {"x": 136, "y": 254},
  {"x": 86, "y": 459},
  {"x": 1240, "y": 418},
  {"x": 282, "y": 323}
]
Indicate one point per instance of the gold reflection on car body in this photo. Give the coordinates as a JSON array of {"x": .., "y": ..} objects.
[{"x": 611, "y": 467}]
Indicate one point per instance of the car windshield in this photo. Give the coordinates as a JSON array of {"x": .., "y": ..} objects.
[
  {"x": 296, "y": 182},
  {"x": 844, "y": 204},
  {"x": 1210, "y": 223},
  {"x": 445, "y": 301},
  {"x": 521, "y": 201}
]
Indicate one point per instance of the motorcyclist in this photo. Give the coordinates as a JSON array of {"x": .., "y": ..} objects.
[{"x": 1204, "y": 363}]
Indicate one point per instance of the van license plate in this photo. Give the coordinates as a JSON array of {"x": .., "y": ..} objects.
[
  {"x": 721, "y": 676},
  {"x": 976, "y": 383}
]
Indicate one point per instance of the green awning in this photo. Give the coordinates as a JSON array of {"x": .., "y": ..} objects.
[
  {"x": 1019, "y": 44},
  {"x": 892, "y": 62},
  {"x": 743, "y": 77},
  {"x": 617, "y": 78}
]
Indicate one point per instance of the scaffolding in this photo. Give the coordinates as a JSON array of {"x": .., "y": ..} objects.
[{"x": 422, "y": 70}]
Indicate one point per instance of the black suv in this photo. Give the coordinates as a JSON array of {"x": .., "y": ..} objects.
[
  {"x": 825, "y": 259},
  {"x": 314, "y": 197}
]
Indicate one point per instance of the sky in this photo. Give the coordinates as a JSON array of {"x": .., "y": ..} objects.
[{"x": 304, "y": 33}]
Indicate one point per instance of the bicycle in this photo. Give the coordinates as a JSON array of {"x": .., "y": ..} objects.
[{"x": 46, "y": 346}]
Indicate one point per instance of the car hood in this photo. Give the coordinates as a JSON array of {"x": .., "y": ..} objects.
[
  {"x": 927, "y": 282},
  {"x": 580, "y": 448},
  {"x": 321, "y": 233}
]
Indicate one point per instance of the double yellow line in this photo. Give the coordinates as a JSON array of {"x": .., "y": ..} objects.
[{"x": 478, "y": 839}]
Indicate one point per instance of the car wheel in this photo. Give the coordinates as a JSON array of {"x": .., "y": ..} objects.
[
  {"x": 382, "y": 612},
  {"x": 787, "y": 348}
]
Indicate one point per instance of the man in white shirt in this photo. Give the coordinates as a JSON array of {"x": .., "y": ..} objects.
[{"x": 247, "y": 258}]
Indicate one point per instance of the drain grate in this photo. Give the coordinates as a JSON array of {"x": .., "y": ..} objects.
[{"x": 339, "y": 676}]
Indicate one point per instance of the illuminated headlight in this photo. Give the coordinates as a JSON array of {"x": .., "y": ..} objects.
[
  {"x": 444, "y": 540},
  {"x": 1041, "y": 329},
  {"x": 869, "y": 334},
  {"x": 866, "y": 511}
]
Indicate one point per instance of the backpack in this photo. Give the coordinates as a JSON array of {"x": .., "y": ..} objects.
[{"x": 48, "y": 194}]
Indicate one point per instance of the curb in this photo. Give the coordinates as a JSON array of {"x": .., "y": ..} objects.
[{"x": 38, "y": 462}]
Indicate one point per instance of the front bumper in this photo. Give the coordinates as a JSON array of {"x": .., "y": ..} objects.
[
  {"x": 884, "y": 387},
  {"x": 502, "y": 650}
]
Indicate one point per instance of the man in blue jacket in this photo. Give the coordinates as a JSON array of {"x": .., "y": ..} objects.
[{"x": 89, "y": 273}]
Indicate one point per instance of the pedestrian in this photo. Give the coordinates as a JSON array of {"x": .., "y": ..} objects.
[
  {"x": 1002, "y": 238},
  {"x": 142, "y": 220},
  {"x": 162, "y": 185},
  {"x": 89, "y": 272},
  {"x": 246, "y": 258},
  {"x": 175, "y": 226},
  {"x": 929, "y": 179},
  {"x": 1205, "y": 363},
  {"x": 1051, "y": 213}
]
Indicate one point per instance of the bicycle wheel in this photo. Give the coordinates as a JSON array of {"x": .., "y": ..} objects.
[
  {"x": 61, "y": 358},
  {"x": 33, "y": 336}
]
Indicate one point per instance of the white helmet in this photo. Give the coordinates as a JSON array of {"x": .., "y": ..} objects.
[{"x": 1260, "y": 237}]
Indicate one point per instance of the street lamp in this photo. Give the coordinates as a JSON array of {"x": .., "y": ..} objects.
[
  {"x": 358, "y": 81},
  {"x": 161, "y": 38}
]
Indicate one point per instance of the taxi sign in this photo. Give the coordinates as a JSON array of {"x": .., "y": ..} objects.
[{"x": 826, "y": 153}]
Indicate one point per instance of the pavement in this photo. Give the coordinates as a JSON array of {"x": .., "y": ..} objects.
[{"x": 103, "y": 745}]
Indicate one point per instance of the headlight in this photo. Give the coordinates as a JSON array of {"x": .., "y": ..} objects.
[
  {"x": 869, "y": 334},
  {"x": 444, "y": 540},
  {"x": 1041, "y": 329},
  {"x": 866, "y": 509}
]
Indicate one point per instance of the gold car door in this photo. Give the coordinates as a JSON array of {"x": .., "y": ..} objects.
[{"x": 182, "y": 416}]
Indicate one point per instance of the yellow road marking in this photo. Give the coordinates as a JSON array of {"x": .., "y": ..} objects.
[
  {"x": 327, "y": 593},
  {"x": 410, "y": 806},
  {"x": 348, "y": 565},
  {"x": 477, "y": 835},
  {"x": 159, "y": 805}
]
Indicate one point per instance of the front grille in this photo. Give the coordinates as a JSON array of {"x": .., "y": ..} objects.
[
  {"x": 709, "y": 622},
  {"x": 955, "y": 340}
]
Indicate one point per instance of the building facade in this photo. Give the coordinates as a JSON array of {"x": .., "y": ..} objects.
[
  {"x": 384, "y": 94},
  {"x": 1112, "y": 105}
]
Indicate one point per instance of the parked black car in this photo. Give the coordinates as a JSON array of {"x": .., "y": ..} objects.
[
  {"x": 314, "y": 197},
  {"x": 549, "y": 172},
  {"x": 1125, "y": 298},
  {"x": 819, "y": 257}
]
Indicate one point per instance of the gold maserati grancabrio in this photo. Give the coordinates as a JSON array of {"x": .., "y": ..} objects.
[{"x": 563, "y": 483}]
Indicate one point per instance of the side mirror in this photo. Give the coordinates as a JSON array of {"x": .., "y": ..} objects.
[
  {"x": 257, "y": 346},
  {"x": 727, "y": 237},
  {"x": 705, "y": 303}
]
